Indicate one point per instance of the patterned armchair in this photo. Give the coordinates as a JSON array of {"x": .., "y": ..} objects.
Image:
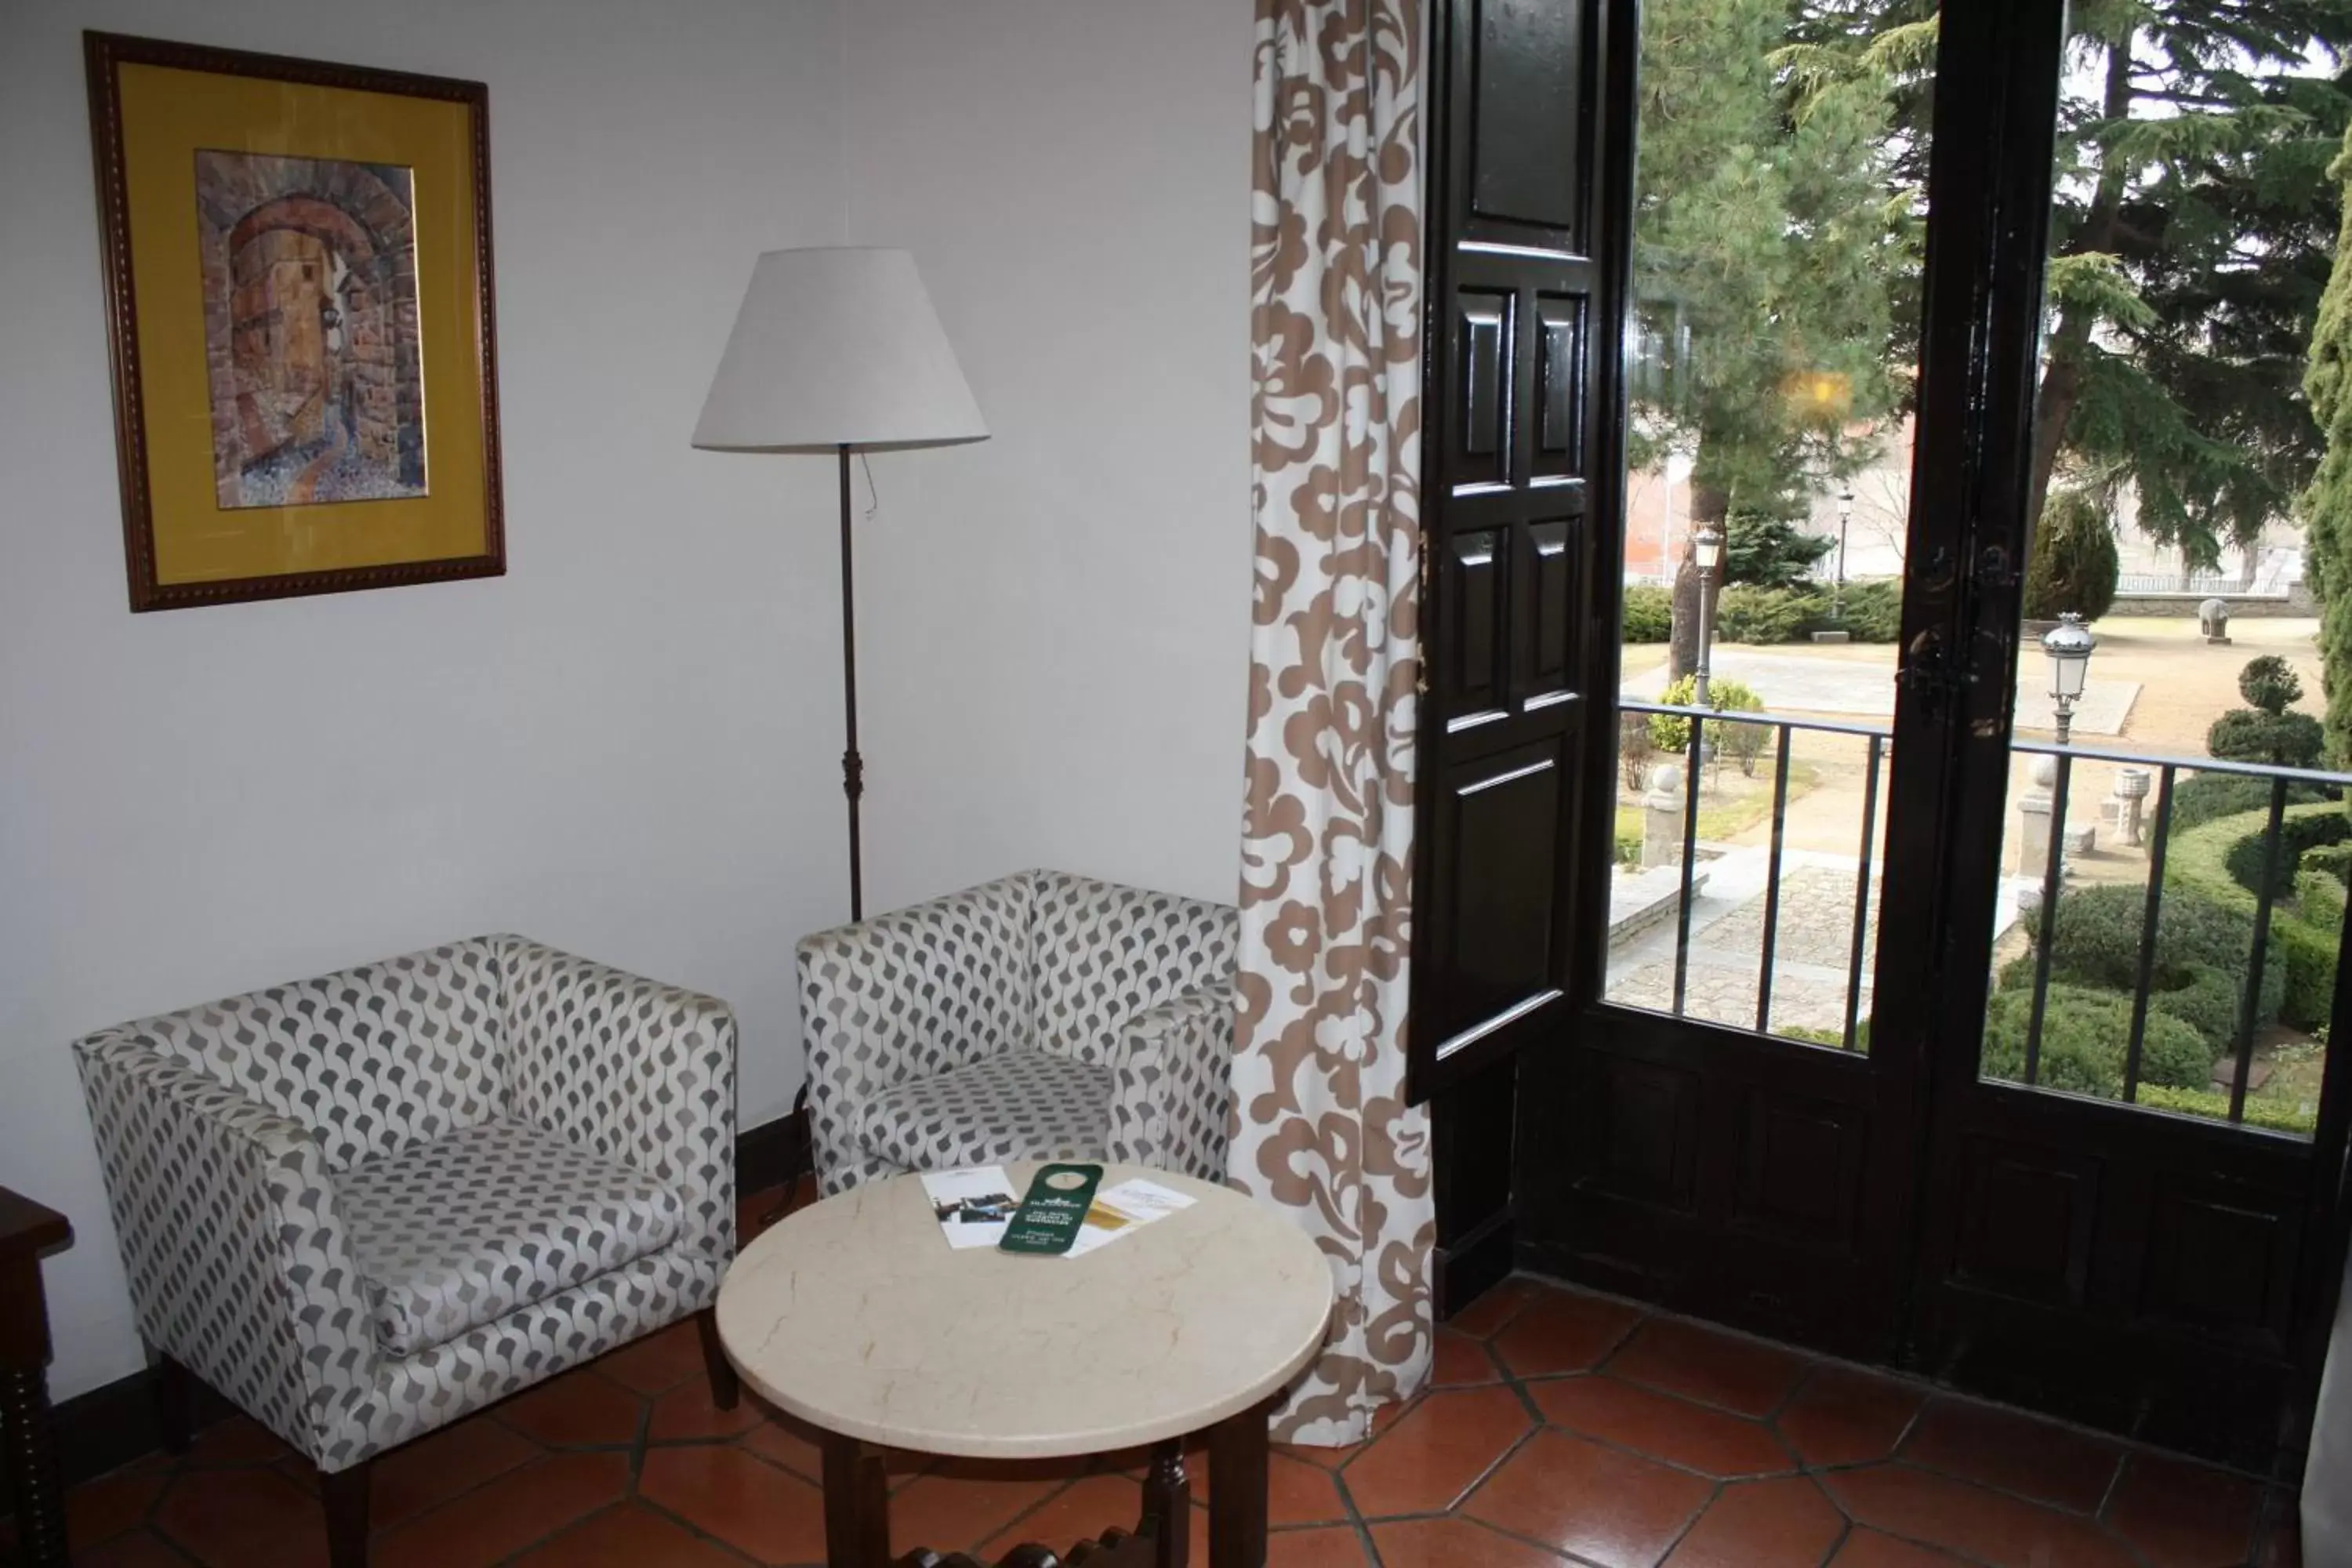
[
  {"x": 1042, "y": 1015},
  {"x": 363, "y": 1206}
]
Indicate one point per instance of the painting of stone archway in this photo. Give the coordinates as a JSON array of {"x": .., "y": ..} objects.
[{"x": 310, "y": 329}]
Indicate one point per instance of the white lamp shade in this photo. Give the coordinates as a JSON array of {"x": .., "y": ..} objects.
[{"x": 836, "y": 346}]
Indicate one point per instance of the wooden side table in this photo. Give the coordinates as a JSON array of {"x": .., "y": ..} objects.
[{"x": 27, "y": 1443}]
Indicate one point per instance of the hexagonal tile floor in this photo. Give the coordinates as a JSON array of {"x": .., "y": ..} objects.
[{"x": 1559, "y": 1428}]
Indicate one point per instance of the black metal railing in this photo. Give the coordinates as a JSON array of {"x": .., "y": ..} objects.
[
  {"x": 2266, "y": 898},
  {"x": 1696, "y": 758}
]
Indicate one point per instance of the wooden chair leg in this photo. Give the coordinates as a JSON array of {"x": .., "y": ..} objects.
[
  {"x": 176, "y": 1405},
  {"x": 726, "y": 1387},
  {"x": 345, "y": 1494}
]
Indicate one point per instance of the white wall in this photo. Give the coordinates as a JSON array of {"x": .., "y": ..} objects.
[
  {"x": 629, "y": 744},
  {"x": 1057, "y": 620},
  {"x": 626, "y": 746}
]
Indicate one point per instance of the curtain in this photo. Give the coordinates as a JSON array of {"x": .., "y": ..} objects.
[{"x": 1322, "y": 1131}]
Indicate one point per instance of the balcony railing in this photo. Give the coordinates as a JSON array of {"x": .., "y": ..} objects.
[{"x": 2270, "y": 873}]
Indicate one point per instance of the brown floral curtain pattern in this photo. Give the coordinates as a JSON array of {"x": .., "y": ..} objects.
[{"x": 1323, "y": 1132}]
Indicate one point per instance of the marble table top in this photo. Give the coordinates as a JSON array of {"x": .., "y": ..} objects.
[{"x": 854, "y": 1314}]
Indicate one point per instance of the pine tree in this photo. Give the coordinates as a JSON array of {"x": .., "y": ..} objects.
[
  {"x": 2192, "y": 233},
  {"x": 1763, "y": 254},
  {"x": 2326, "y": 506}
]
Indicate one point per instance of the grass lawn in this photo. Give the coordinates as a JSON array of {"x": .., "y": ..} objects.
[{"x": 1737, "y": 803}]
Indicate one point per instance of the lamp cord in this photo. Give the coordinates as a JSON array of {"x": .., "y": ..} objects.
[{"x": 873, "y": 495}]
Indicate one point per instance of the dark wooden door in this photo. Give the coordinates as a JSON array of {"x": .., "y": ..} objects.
[
  {"x": 1526, "y": 244},
  {"x": 2146, "y": 1273}
]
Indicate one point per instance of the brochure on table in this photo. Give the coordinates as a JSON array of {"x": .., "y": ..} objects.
[{"x": 973, "y": 1208}]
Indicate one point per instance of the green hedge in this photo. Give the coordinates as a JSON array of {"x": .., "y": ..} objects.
[
  {"x": 2276, "y": 1115},
  {"x": 2199, "y": 934},
  {"x": 1648, "y": 615},
  {"x": 2199, "y": 996},
  {"x": 1671, "y": 733},
  {"x": 2222, "y": 861},
  {"x": 2201, "y": 797},
  {"x": 2085, "y": 1035}
]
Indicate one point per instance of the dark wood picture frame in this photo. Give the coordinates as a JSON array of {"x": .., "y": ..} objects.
[{"x": 104, "y": 55}]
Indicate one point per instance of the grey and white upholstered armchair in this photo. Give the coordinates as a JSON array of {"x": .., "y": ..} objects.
[
  {"x": 1042, "y": 1016},
  {"x": 363, "y": 1206}
]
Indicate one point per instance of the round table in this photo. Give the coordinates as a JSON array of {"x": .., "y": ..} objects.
[{"x": 854, "y": 1315}]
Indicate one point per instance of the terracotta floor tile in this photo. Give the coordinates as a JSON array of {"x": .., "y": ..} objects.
[
  {"x": 1490, "y": 1312},
  {"x": 1563, "y": 1330},
  {"x": 1695, "y": 1437},
  {"x": 1709, "y": 1365},
  {"x": 1321, "y": 1457},
  {"x": 233, "y": 1518},
  {"x": 1461, "y": 1359},
  {"x": 101, "y": 1510},
  {"x": 1984, "y": 1525},
  {"x": 787, "y": 1443},
  {"x": 581, "y": 1408},
  {"x": 238, "y": 1440},
  {"x": 1869, "y": 1549},
  {"x": 1782, "y": 1523},
  {"x": 1606, "y": 1507},
  {"x": 1082, "y": 1511},
  {"x": 656, "y": 1363},
  {"x": 438, "y": 1466},
  {"x": 1436, "y": 1451},
  {"x": 2184, "y": 1515},
  {"x": 751, "y": 1505},
  {"x": 1841, "y": 1416},
  {"x": 137, "y": 1550},
  {"x": 1297, "y": 1492},
  {"x": 1454, "y": 1543},
  {"x": 1330, "y": 1546},
  {"x": 950, "y": 1513},
  {"x": 628, "y": 1536},
  {"x": 2038, "y": 1460},
  {"x": 687, "y": 1412},
  {"x": 501, "y": 1517}
]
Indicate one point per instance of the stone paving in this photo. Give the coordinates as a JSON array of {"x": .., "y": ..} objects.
[{"x": 1810, "y": 951}]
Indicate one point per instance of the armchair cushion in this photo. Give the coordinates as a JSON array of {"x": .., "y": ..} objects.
[
  {"x": 1019, "y": 1105},
  {"x": 461, "y": 1231}
]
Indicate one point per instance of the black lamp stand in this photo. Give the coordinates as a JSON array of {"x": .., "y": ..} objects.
[{"x": 853, "y": 766}]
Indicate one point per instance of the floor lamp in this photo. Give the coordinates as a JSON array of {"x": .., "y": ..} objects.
[{"x": 837, "y": 350}]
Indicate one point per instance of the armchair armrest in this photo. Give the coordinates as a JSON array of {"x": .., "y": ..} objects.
[
  {"x": 906, "y": 995},
  {"x": 635, "y": 1071},
  {"x": 239, "y": 1265},
  {"x": 1172, "y": 1093}
]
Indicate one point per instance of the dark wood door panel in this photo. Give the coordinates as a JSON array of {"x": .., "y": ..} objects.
[{"x": 1530, "y": 90}]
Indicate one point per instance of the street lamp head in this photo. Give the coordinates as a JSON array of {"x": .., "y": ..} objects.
[
  {"x": 2068, "y": 646},
  {"x": 1707, "y": 548},
  {"x": 1845, "y": 501}
]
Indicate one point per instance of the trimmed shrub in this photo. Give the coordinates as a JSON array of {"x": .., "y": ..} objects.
[
  {"x": 2222, "y": 861},
  {"x": 2276, "y": 1115},
  {"x": 2298, "y": 831},
  {"x": 1671, "y": 733},
  {"x": 1873, "y": 611},
  {"x": 2071, "y": 564},
  {"x": 2097, "y": 940},
  {"x": 2250, "y": 735},
  {"x": 2335, "y": 859},
  {"x": 1634, "y": 752},
  {"x": 2201, "y": 797},
  {"x": 2270, "y": 683},
  {"x": 1647, "y": 614},
  {"x": 2084, "y": 1038},
  {"x": 1744, "y": 612},
  {"x": 2206, "y": 999}
]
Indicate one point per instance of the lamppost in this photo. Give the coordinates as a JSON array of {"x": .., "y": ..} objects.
[
  {"x": 2067, "y": 646},
  {"x": 1706, "y": 552},
  {"x": 1846, "y": 520}
]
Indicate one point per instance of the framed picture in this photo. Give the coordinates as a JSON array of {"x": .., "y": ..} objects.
[{"x": 297, "y": 267}]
